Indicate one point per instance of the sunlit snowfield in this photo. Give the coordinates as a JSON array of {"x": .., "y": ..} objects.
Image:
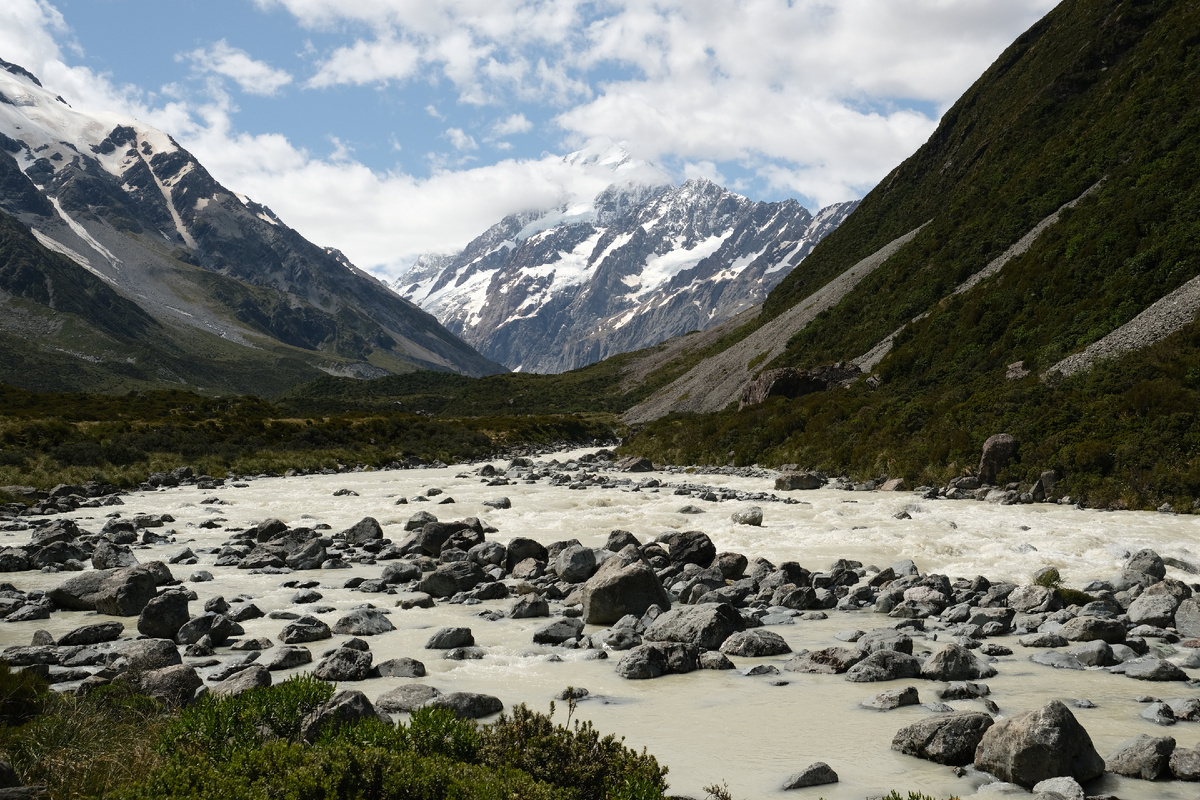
[{"x": 708, "y": 727}]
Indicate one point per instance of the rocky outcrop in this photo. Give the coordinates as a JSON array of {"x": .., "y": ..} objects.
[
  {"x": 1036, "y": 745},
  {"x": 945, "y": 738},
  {"x": 791, "y": 383}
]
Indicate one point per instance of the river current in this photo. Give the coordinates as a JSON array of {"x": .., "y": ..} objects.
[{"x": 708, "y": 727}]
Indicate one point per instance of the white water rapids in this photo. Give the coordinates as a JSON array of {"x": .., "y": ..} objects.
[{"x": 708, "y": 727}]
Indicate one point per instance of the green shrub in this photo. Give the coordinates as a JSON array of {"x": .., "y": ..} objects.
[
  {"x": 86, "y": 747},
  {"x": 280, "y": 769},
  {"x": 575, "y": 757},
  {"x": 22, "y": 695},
  {"x": 217, "y": 727}
]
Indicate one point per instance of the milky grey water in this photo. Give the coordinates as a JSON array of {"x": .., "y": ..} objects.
[{"x": 707, "y": 727}]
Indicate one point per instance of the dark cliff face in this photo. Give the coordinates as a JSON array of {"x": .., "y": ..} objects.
[
  {"x": 140, "y": 213},
  {"x": 551, "y": 292}
]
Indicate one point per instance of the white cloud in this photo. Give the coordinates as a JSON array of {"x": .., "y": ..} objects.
[
  {"x": 810, "y": 96},
  {"x": 254, "y": 77},
  {"x": 512, "y": 124},
  {"x": 460, "y": 140}
]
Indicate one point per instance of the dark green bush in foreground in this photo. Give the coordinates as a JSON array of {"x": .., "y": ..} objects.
[{"x": 116, "y": 744}]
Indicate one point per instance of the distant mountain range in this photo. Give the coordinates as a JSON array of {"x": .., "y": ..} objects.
[
  {"x": 125, "y": 264},
  {"x": 549, "y": 291}
]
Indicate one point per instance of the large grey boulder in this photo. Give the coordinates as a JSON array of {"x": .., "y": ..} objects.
[
  {"x": 791, "y": 481},
  {"x": 1086, "y": 629},
  {"x": 944, "y": 738},
  {"x": 344, "y": 708},
  {"x": 562, "y": 629},
  {"x": 450, "y": 579},
  {"x": 449, "y": 638},
  {"x": 691, "y": 547},
  {"x": 705, "y": 625},
  {"x": 254, "y": 676},
  {"x": 363, "y": 531},
  {"x": 407, "y": 698},
  {"x": 216, "y": 626},
  {"x": 163, "y": 616},
  {"x": 345, "y": 664},
  {"x": 402, "y": 667},
  {"x": 575, "y": 564},
  {"x": 1145, "y": 757},
  {"x": 755, "y": 643},
  {"x": 955, "y": 663},
  {"x": 305, "y": 629},
  {"x": 1185, "y": 763},
  {"x": 827, "y": 661},
  {"x": 1187, "y": 618},
  {"x": 92, "y": 634},
  {"x": 364, "y": 622},
  {"x": 1033, "y": 599},
  {"x": 531, "y": 606},
  {"x": 654, "y": 659},
  {"x": 520, "y": 548},
  {"x": 468, "y": 705},
  {"x": 289, "y": 657},
  {"x": 818, "y": 774},
  {"x": 1147, "y": 563},
  {"x": 174, "y": 685},
  {"x": 1158, "y": 603},
  {"x": 998, "y": 450},
  {"x": 311, "y": 555},
  {"x": 148, "y": 654},
  {"x": 112, "y": 556},
  {"x": 616, "y": 591},
  {"x": 1031, "y": 747},
  {"x": 884, "y": 665},
  {"x": 1153, "y": 668},
  {"x": 119, "y": 592},
  {"x": 748, "y": 516}
]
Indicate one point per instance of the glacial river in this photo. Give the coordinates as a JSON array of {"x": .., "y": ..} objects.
[{"x": 709, "y": 727}]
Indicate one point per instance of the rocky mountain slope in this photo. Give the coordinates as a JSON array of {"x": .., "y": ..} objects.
[
  {"x": 1033, "y": 268},
  {"x": 112, "y": 217},
  {"x": 556, "y": 290}
]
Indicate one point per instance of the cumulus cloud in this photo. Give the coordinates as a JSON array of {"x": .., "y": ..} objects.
[
  {"x": 512, "y": 124},
  {"x": 254, "y": 77},
  {"x": 809, "y": 97},
  {"x": 461, "y": 141}
]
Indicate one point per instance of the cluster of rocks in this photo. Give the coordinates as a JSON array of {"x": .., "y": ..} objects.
[
  {"x": 669, "y": 605},
  {"x": 60, "y": 545}
]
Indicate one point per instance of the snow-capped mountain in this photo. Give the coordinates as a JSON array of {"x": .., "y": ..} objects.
[
  {"x": 126, "y": 203},
  {"x": 641, "y": 262}
]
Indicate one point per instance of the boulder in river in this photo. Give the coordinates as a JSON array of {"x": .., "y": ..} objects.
[
  {"x": 363, "y": 531},
  {"x": 252, "y": 677},
  {"x": 450, "y": 579},
  {"x": 998, "y": 450},
  {"x": 1031, "y": 747},
  {"x": 944, "y": 738},
  {"x": 163, "y": 616},
  {"x": 616, "y": 591},
  {"x": 468, "y": 705},
  {"x": 706, "y": 625},
  {"x": 344, "y": 664},
  {"x": 364, "y": 622},
  {"x": 955, "y": 663},
  {"x": 818, "y": 774},
  {"x": 304, "y": 629},
  {"x": 755, "y": 643},
  {"x": 884, "y": 665},
  {"x": 654, "y": 659},
  {"x": 1145, "y": 757},
  {"x": 407, "y": 698}
]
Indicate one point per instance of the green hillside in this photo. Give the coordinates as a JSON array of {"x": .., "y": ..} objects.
[{"x": 1099, "y": 91}]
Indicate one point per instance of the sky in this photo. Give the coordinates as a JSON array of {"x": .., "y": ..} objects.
[{"x": 392, "y": 128}]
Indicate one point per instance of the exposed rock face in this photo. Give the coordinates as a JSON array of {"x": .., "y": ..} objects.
[
  {"x": 792, "y": 383},
  {"x": 1145, "y": 757},
  {"x": 998, "y": 450},
  {"x": 944, "y": 738},
  {"x": 163, "y": 258},
  {"x": 344, "y": 708},
  {"x": 705, "y": 625},
  {"x": 1037, "y": 745},
  {"x": 612, "y": 593},
  {"x": 655, "y": 659},
  {"x": 549, "y": 291}
]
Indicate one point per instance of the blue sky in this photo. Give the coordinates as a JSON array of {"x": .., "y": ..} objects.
[{"x": 389, "y": 128}]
